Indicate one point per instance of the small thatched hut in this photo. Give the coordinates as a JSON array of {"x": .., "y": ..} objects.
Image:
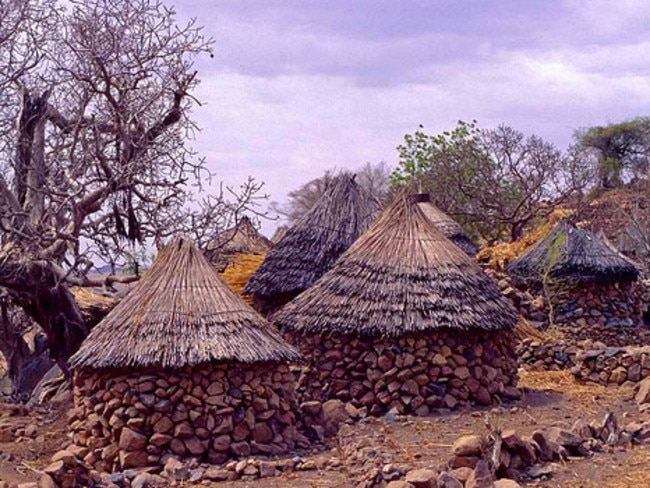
[
  {"x": 404, "y": 319},
  {"x": 445, "y": 224},
  {"x": 243, "y": 238},
  {"x": 313, "y": 244},
  {"x": 592, "y": 290},
  {"x": 183, "y": 366}
]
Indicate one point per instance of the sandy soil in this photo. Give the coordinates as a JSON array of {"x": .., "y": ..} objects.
[{"x": 550, "y": 399}]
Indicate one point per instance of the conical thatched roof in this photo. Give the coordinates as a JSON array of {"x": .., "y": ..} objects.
[
  {"x": 402, "y": 276},
  {"x": 445, "y": 224},
  {"x": 572, "y": 254},
  {"x": 181, "y": 313},
  {"x": 243, "y": 238},
  {"x": 311, "y": 247}
]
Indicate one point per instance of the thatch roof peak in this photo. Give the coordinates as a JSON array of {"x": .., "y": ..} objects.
[
  {"x": 242, "y": 238},
  {"x": 401, "y": 276},
  {"x": 181, "y": 313},
  {"x": 445, "y": 224},
  {"x": 316, "y": 241},
  {"x": 572, "y": 254}
]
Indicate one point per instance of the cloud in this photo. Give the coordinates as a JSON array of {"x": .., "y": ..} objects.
[{"x": 298, "y": 87}]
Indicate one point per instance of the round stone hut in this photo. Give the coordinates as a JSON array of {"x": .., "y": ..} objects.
[
  {"x": 588, "y": 289},
  {"x": 313, "y": 244},
  {"x": 182, "y": 366},
  {"x": 445, "y": 224},
  {"x": 404, "y": 320}
]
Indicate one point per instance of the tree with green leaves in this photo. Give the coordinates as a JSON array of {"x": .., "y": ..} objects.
[
  {"x": 494, "y": 181},
  {"x": 621, "y": 149}
]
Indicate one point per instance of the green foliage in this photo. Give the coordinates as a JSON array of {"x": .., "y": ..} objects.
[
  {"x": 622, "y": 149},
  {"x": 492, "y": 181}
]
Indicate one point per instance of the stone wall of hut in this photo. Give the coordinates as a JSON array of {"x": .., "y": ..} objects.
[
  {"x": 613, "y": 365},
  {"x": 412, "y": 374},
  {"x": 211, "y": 412},
  {"x": 611, "y": 313}
]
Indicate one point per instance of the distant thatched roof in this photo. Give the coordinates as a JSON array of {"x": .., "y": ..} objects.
[
  {"x": 181, "y": 313},
  {"x": 402, "y": 276},
  {"x": 573, "y": 254},
  {"x": 311, "y": 247},
  {"x": 243, "y": 238},
  {"x": 445, "y": 224}
]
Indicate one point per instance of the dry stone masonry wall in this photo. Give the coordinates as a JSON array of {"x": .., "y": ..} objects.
[
  {"x": 611, "y": 313},
  {"x": 412, "y": 374},
  {"x": 616, "y": 365},
  {"x": 211, "y": 413}
]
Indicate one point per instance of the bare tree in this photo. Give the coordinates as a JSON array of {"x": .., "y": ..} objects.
[
  {"x": 494, "y": 181},
  {"x": 94, "y": 119}
]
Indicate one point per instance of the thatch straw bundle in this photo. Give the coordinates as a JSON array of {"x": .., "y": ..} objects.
[
  {"x": 402, "y": 276},
  {"x": 317, "y": 240},
  {"x": 239, "y": 270},
  {"x": 445, "y": 224},
  {"x": 181, "y": 314},
  {"x": 571, "y": 254}
]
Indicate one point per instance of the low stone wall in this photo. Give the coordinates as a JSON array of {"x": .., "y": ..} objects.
[
  {"x": 211, "y": 412},
  {"x": 412, "y": 374},
  {"x": 611, "y": 313},
  {"x": 548, "y": 355},
  {"x": 613, "y": 365}
]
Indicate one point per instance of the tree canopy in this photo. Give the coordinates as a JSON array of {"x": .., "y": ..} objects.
[{"x": 494, "y": 181}]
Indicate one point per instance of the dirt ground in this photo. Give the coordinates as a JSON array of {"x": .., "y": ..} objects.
[{"x": 550, "y": 399}]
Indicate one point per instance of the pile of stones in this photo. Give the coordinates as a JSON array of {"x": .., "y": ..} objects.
[
  {"x": 412, "y": 374},
  {"x": 612, "y": 365},
  {"x": 546, "y": 355},
  {"x": 211, "y": 413}
]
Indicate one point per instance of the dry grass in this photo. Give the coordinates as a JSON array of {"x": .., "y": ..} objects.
[
  {"x": 500, "y": 255},
  {"x": 239, "y": 270}
]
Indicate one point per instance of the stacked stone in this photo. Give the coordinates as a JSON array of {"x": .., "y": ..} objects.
[
  {"x": 211, "y": 413},
  {"x": 613, "y": 365},
  {"x": 611, "y": 313},
  {"x": 411, "y": 374},
  {"x": 548, "y": 355}
]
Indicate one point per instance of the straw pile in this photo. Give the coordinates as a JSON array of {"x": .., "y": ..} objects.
[
  {"x": 311, "y": 247},
  {"x": 180, "y": 313},
  {"x": 238, "y": 272},
  {"x": 500, "y": 255}
]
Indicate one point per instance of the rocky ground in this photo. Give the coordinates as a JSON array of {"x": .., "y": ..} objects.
[{"x": 398, "y": 448}]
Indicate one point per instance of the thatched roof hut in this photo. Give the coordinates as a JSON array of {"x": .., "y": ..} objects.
[
  {"x": 402, "y": 276},
  {"x": 182, "y": 342},
  {"x": 574, "y": 255},
  {"x": 445, "y": 224},
  {"x": 180, "y": 313},
  {"x": 243, "y": 238},
  {"x": 416, "y": 321},
  {"x": 313, "y": 244}
]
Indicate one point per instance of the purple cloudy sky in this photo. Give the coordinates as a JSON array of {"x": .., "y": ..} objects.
[{"x": 297, "y": 87}]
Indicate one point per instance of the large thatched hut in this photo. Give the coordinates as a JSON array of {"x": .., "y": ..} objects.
[
  {"x": 405, "y": 320},
  {"x": 589, "y": 289},
  {"x": 445, "y": 224},
  {"x": 182, "y": 366},
  {"x": 313, "y": 244}
]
